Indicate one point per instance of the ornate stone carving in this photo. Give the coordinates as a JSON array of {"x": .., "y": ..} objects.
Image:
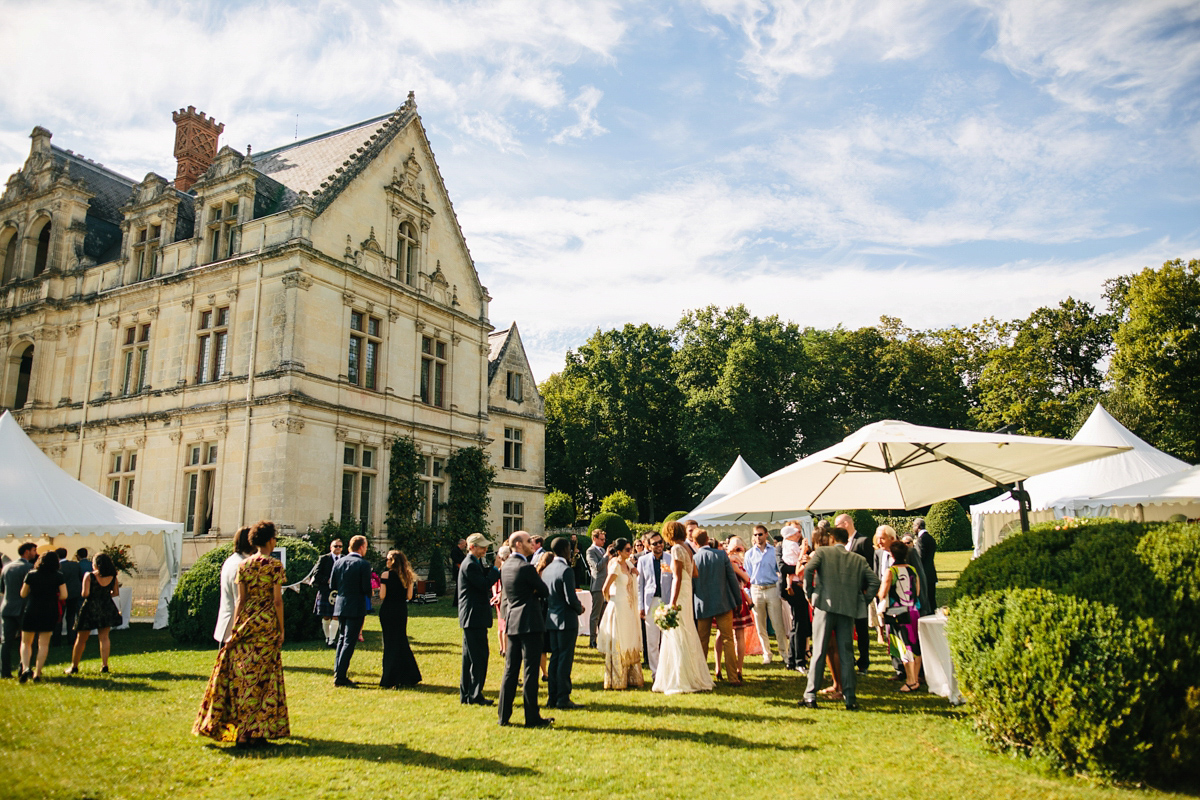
[
  {"x": 152, "y": 312},
  {"x": 297, "y": 280},
  {"x": 371, "y": 244},
  {"x": 370, "y": 307},
  {"x": 212, "y": 299},
  {"x": 188, "y": 303},
  {"x": 455, "y": 339},
  {"x": 114, "y": 320},
  {"x": 348, "y": 298},
  {"x": 220, "y": 431},
  {"x": 176, "y": 436},
  {"x": 100, "y": 446},
  {"x": 198, "y": 434},
  {"x": 289, "y": 424},
  {"x": 57, "y": 450},
  {"x": 139, "y": 442},
  {"x": 341, "y": 434},
  {"x": 232, "y": 293},
  {"x": 393, "y": 315}
]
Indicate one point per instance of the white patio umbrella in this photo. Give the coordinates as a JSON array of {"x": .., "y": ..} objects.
[{"x": 892, "y": 464}]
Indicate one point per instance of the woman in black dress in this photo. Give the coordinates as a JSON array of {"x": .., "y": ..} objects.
[
  {"x": 395, "y": 590},
  {"x": 98, "y": 611},
  {"x": 44, "y": 586}
]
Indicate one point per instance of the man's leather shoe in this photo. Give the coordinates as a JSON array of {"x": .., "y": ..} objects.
[
  {"x": 483, "y": 701},
  {"x": 852, "y": 706},
  {"x": 806, "y": 703},
  {"x": 544, "y": 722},
  {"x": 568, "y": 705},
  {"x": 345, "y": 683},
  {"x": 504, "y": 723}
]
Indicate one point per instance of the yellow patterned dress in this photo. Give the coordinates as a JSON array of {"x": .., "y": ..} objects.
[
  {"x": 245, "y": 698},
  {"x": 619, "y": 636}
]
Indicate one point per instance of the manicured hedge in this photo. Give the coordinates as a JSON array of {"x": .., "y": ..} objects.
[
  {"x": 192, "y": 612},
  {"x": 621, "y": 503},
  {"x": 1081, "y": 641},
  {"x": 864, "y": 521},
  {"x": 949, "y": 525},
  {"x": 674, "y": 515},
  {"x": 611, "y": 524}
]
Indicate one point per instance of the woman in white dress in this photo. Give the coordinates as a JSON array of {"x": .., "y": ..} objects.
[
  {"x": 619, "y": 636},
  {"x": 682, "y": 666}
]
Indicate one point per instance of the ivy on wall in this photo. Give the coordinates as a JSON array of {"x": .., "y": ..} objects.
[{"x": 470, "y": 486}]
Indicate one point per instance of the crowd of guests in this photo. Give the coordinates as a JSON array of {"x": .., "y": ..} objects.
[{"x": 48, "y": 600}]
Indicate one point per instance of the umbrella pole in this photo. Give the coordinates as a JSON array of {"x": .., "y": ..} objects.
[{"x": 1023, "y": 504}]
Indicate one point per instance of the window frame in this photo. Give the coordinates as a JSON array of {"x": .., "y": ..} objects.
[
  {"x": 122, "y": 475},
  {"x": 201, "y": 460},
  {"x": 364, "y": 350},
  {"x": 512, "y": 516},
  {"x": 359, "y": 479},
  {"x": 135, "y": 359},
  {"x": 435, "y": 362},
  {"x": 408, "y": 253},
  {"x": 514, "y": 447},
  {"x": 222, "y": 228},
  {"x": 212, "y": 345},
  {"x": 513, "y": 389}
]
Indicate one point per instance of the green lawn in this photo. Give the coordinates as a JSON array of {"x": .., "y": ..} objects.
[{"x": 128, "y": 736}]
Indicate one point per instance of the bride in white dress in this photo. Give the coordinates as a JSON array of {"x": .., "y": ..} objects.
[
  {"x": 682, "y": 666},
  {"x": 619, "y": 636}
]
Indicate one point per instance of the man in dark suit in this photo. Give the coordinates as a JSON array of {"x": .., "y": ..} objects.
[
  {"x": 323, "y": 606},
  {"x": 73, "y": 577},
  {"x": 475, "y": 582},
  {"x": 926, "y": 549},
  {"x": 716, "y": 594},
  {"x": 839, "y": 584},
  {"x": 562, "y": 619},
  {"x": 11, "y": 605},
  {"x": 525, "y": 627},
  {"x": 859, "y": 543},
  {"x": 597, "y": 562},
  {"x": 351, "y": 580}
]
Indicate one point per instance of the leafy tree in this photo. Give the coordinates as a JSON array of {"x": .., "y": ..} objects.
[
  {"x": 560, "y": 510},
  {"x": 620, "y": 503},
  {"x": 576, "y": 459},
  {"x": 1156, "y": 364}
]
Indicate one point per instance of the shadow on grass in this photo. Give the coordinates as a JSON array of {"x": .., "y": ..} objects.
[
  {"x": 304, "y": 746},
  {"x": 660, "y": 711},
  {"x": 110, "y": 685},
  {"x": 699, "y": 737}
]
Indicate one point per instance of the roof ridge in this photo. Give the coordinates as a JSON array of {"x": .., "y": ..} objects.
[
  {"x": 84, "y": 161},
  {"x": 316, "y": 137}
]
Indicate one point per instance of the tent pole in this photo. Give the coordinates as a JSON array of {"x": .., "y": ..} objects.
[{"x": 1023, "y": 505}]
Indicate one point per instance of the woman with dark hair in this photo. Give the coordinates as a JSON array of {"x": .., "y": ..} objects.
[
  {"x": 543, "y": 561},
  {"x": 900, "y": 588},
  {"x": 42, "y": 590},
  {"x": 245, "y": 700},
  {"x": 619, "y": 637},
  {"x": 395, "y": 590},
  {"x": 242, "y": 549},
  {"x": 98, "y": 611}
]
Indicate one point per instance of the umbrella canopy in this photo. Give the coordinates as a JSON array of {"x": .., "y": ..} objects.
[
  {"x": 892, "y": 464},
  {"x": 741, "y": 475}
]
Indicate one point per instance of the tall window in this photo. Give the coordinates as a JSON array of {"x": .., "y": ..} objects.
[
  {"x": 222, "y": 226},
  {"x": 514, "y": 386},
  {"x": 20, "y": 366},
  {"x": 121, "y": 475},
  {"x": 10, "y": 243},
  {"x": 200, "y": 480},
  {"x": 145, "y": 251},
  {"x": 358, "y": 482},
  {"x": 407, "y": 253},
  {"x": 514, "y": 516},
  {"x": 213, "y": 352},
  {"x": 433, "y": 372},
  {"x": 433, "y": 486},
  {"x": 134, "y": 354},
  {"x": 42, "y": 256},
  {"x": 512, "y": 448},
  {"x": 363, "y": 358}
]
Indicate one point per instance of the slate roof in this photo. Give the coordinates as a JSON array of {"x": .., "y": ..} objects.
[
  {"x": 112, "y": 189},
  {"x": 497, "y": 344}
]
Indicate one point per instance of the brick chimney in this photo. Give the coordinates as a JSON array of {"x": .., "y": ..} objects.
[{"x": 195, "y": 145}]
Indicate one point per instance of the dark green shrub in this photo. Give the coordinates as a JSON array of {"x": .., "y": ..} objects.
[
  {"x": 612, "y": 524},
  {"x": 949, "y": 525},
  {"x": 643, "y": 528},
  {"x": 620, "y": 503},
  {"x": 437, "y": 570},
  {"x": 864, "y": 521},
  {"x": 560, "y": 510},
  {"x": 674, "y": 515},
  {"x": 901, "y": 523},
  {"x": 1063, "y": 677},
  {"x": 192, "y": 612}
]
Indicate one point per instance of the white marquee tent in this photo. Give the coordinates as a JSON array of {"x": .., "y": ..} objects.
[
  {"x": 739, "y": 476},
  {"x": 41, "y": 502},
  {"x": 1064, "y": 492},
  {"x": 1179, "y": 492}
]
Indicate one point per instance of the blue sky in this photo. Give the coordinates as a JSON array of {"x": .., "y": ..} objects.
[{"x": 614, "y": 162}]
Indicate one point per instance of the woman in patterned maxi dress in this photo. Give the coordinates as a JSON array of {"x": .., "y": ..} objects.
[{"x": 245, "y": 700}]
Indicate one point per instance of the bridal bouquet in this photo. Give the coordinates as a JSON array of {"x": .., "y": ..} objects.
[{"x": 667, "y": 617}]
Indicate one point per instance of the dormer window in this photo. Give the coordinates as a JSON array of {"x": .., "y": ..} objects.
[
  {"x": 514, "y": 387},
  {"x": 222, "y": 226},
  {"x": 145, "y": 251}
]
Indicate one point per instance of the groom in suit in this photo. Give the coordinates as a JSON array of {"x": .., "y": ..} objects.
[
  {"x": 562, "y": 619},
  {"x": 351, "y": 580},
  {"x": 839, "y": 584},
  {"x": 716, "y": 594},
  {"x": 654, "y": 589},
  {"x": 525, "y": 627}
]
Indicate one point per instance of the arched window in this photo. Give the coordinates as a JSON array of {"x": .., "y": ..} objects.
[
  {"x": 20, "y": 369},
  {"x": 43, "y": 251},
  {"x": 407, "y": 251},
  {"x": 9, "y": 244}
]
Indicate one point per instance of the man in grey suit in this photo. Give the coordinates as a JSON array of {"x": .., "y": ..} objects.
[
  {"x": 525, "y": 626},
  {"x": 351, "y": 580},
  {"x": 475, "y": 582},
  {"x": 562, "y": 621},
  {"x": 716, "y": 594},
  {"x": 654, "y": 589},
  {"x": 859, "y": 542},
  {"x": 11, "y": 605},
  {"x": 597, "y": 561},
  {"x": 838, "y": 584}
]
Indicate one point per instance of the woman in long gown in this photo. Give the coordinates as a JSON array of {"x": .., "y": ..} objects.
[
  {"x": 619, "y": 636},
  {"x": 395, "y": 590},
  {"x": 682, "y": 666},
  {"x": 743, "y": 618},
  {"x": 245, "y": 700}
]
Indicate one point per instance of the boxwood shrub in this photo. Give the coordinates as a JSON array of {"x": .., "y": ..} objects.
[
  {"x": 1105, "y": 585},
  {"x": 612, "y": 524},
  {"x": 192, "y": 612},
  {"x": 949, "y": 525}
]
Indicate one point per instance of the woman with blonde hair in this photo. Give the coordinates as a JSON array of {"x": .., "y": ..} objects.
[{"x": 395, "y": 590}]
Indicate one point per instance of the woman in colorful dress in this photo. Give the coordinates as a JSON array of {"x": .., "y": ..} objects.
[
  {"x": 619, "y": 637},
  {"x": 245, "y": 700},
  {"x": 900, "y": 588},
  {"x": 98, "y": 612}
]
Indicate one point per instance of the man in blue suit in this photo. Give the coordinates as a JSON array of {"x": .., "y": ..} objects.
[
  {"x": 562, "y": 622},
  {"x": 351, "y": 579},
  {"x": 716, "y": 594}
]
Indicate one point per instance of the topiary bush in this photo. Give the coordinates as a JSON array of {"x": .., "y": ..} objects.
[
  {"x": 1066, "y": 678},
  {"x": 560, "y": 510},
  {"x": 192, "y": 612},
  {"x": 864, "y": 521},
  {"x": 621, "y": 503},
  {"x": 1146, "y": 574},
  {"x": 612, "y": 524},
  {"x": 949, "y": 525},
  {"x": 674, "y": 515}
]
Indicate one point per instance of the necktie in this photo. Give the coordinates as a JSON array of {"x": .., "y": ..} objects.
[{"x": 657, "y": 577}]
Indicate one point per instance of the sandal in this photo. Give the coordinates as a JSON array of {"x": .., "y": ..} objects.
[{"x": 909, "y": 687}]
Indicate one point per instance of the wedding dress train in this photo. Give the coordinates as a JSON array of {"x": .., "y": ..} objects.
[{"x": 682, "y": 666}]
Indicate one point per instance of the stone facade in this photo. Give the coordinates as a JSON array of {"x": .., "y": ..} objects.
[{"x": 258, "y": 341}]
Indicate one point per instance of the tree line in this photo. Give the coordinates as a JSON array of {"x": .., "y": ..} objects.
[{"x": 663, "y": 412}]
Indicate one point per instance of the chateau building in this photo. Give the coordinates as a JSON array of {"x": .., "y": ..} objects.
[{"x": 247, "y": 341}]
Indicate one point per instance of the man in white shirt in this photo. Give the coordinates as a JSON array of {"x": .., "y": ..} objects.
[
  {"x": 654, "y": 589},
  {"x": 242, "y": 549}
]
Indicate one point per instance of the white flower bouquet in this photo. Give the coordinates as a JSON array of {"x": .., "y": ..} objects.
[{"x": 667, "y": 617}]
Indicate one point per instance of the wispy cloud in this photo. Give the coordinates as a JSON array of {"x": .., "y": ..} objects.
[{"x": 585, "y": 106}]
